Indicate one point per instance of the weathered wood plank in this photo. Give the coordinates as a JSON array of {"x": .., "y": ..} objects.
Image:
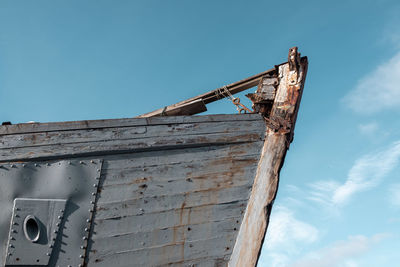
[
  {"x": 97, "y": 144},
  {"x": 125, "y": 133},
  {"x": 164, "y": 202},
  {"x": 128, "y": 122},
  {"x": 283, "y": 115},
  {"x": 171, "y": 218},
  {"x": 106, "y": 245},
  {"x": 216, "y": 247}
]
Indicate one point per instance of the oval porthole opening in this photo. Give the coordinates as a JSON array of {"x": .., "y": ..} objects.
[{"x": 31, "y": 228}]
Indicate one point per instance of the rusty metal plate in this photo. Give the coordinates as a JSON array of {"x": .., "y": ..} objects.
[{"x": 46, "y": 182}]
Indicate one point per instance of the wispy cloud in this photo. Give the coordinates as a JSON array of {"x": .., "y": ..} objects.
[
  {"x": 285, "y": 235},
  {"x": 341, "y": 253},
  {"x": 284, "y": 229},
  {"x": 378, "y": 90},
  {"x": 368, "y": 129},
  {"x": 394, "y": 195},
  {"x": 366, "y": 173}
]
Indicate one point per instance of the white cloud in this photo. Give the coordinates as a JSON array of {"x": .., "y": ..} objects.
[
  {"x": 366, "y": 173},
  {"x": 285, "y": 236},
  {"x": 378, "y": 90},
  {"x": 284, "y": 229},
  {"x": 368, "y": 129},
  {"x": 341, "y": 253},
  {"x": 394, "y": 194}
]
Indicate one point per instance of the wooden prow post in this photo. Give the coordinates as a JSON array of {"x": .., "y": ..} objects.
[{"x": 279, "y": 108}]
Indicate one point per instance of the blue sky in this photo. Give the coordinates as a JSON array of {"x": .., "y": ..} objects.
[{"x": 339, "y": 198}]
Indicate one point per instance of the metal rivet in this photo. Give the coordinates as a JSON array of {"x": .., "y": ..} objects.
[
  {"x": 55, "y": 231},
  {"x": 23, "y": 165},
  {"x": 80, "y": 162},
  {"x": 92, "y": 202},
  {"x": 13, "y": 230},
  {"x": 9, "y": 254},
  {"x": 86, "y": 229},
  {"x": 87, "y": 220},
  {"x": 81, "y": 256},
  {"x": 94, "y": 185},
  {"x": 90, "y": 210},
  {"x": 82, "y": 247},
  {"x": 98, "y": 170},
  {"x": 12, "y": 238},
  {"x": 13, "y": 166},
  {"x": 51, "y": 245},
  {"x": 58, "y": 224},
  {"x": 48, "y": 164},
  {"x": 79, "y": 265},
  {"x": 84, "y": 238},
  {"x": 36, "y": 165},
  {"x": 61, "y": 211},
  {"x": 11, "y": 246},
  {"x": 93, "y": 194},
  {"x": 92, "y": 161},
  {"x": 48, "y": 254},
  {"x": 59, "y": 217}
]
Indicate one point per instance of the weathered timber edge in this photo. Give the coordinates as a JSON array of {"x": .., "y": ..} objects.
[
  {"x": 280, "y": 120},
  {"x": 97, "y": 138}
]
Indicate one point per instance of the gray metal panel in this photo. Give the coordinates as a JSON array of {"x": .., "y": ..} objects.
[
  {"x": 34, "y": 229},
  {"x": 75, "y": 181}
]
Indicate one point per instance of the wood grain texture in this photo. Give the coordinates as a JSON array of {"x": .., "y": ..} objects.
[
  {"x": 173, "y": 207},
  {"x": 124, "y": 139},
  {"x": 284, "y": 111},
  {"x": 173, "y": 190}
]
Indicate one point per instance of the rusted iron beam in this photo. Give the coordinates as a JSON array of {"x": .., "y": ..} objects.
[
  {"x": 280, "y": 115},
  {"x": 211, "y": 96}
]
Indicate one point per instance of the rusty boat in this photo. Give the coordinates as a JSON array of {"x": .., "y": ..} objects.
[{"x": 163, "y": 189}]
